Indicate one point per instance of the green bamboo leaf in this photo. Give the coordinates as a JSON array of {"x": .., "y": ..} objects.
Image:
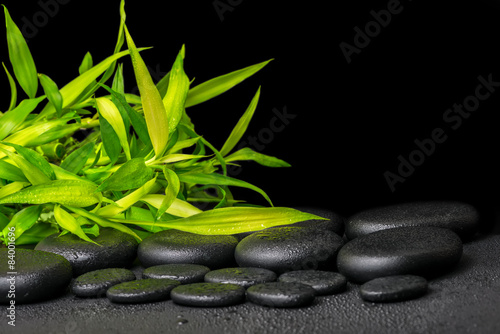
[
  {"x": 12, "y": 188},
  {"x": 35, "y": 159},
  {"x": 13, "y": 89},
  {"x": 63, "y": 174},
  {"x": 33, "y": 174},
  {"x": 152, "y": 104},
  {"x": 214, "y": 87},
  {"x": 178, "y": 207},
  {"x": 118, "y": 85},
  {"x": 171, "y": 158},
  {"x": 221, "y": 180},
  {"x": 108, "y": 110},
  {"x": 162, "y": 85},
  {"x": 232, "y": 220},
  {"x": 178, "y": 88},
  {"x": 131, "y": 175},
  {"x": 86, "y": 64},
  {"x": 241, "y": 126},
  {"x": 171, "y": 191},
  {"x": 36, "y": 233},
  {"x": 21, "y": 58},
  {"x": 52, "y": 91},
  {"x": 69, "y": 223},
  {"x": 110, "y": 140},
  {"x": 11, "y": 172},
  {"x": 74, "y": 162},
  {"x": 15, "y": 117},
  {"x": 23, "y": 220},
  {"x": 248, "y": 154}
]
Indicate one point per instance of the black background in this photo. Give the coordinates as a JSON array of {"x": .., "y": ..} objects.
[{"x": 352, "y": 121}]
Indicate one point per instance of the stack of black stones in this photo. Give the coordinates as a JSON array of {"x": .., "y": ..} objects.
[{"x": 388, "y": 253}]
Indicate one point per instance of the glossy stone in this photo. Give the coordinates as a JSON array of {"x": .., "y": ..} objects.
[
  {"x": 141, "y": 291},
  {"x": 116, "y": 250},
  {"x": 393, "y": 288},
  {"x": 281, "y": 294},
  {"x": 96, "y": 283},
  {"x": 422, "y": 251},
  {"x": 459, "y": 217},
  {"x": 173, "y": 246},
  {"x": 323, "y": 282},
  {"x": 182, "y": 272},
  {"x": 208, "y": 294},
  {"x": 34, "y": 276},
  {"x": 244, "y": 277}
]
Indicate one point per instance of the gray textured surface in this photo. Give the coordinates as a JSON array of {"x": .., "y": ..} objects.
[{"x": 464, "y": 301}]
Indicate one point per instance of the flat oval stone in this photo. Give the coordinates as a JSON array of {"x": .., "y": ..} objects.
[
  {"x": 244, "y": 277},
  {"x": 182, "y": 272},
  {"x": 142, "y": 291},
  {"x": 289, "y": 248},
  {"x": 393, "y": 288},
  {"x": 281, "y": 294},
  {"x": 459, "y": 217},
  {"x": 96, "y": 283},
  {"x": 323, "y": 282},
  {"x": 35, "y": 276},
  {"x": 116, "y": 250},
  {"x": 173, "y": 246},
  {"x": 208, "y": 294},
  {"x": 421, "y": 251}
]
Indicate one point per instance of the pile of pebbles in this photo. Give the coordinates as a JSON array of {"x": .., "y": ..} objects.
[{"x": 389, "y": 254}]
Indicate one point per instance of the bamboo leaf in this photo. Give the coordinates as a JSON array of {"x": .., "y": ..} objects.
[
  {"x": 52, "y": 91},
  {"x": 86, "y": 64},
  {"x": 21, "y": 58},
  {"x": 110, "y": 140},
  {"x": 35, "y": 159},
  {"x": 178, "y": 207},
  {"x": 131, "y": 175},
  {"x": 12, "y": 188},
  {"x": 152, "y": 104},
  {"x": 12, "y": 119},
  {"x": 241, "y": 126},
  {"x": 69, "y": 223},
  {"x": 13, "y": 89},
  {"x": 11, "y": 172},
  {"x": 74, "y": 162},
  {"x": 170, "y": 192},
  {"x": 214, "y": 87},
  {"x": 108, "y": 110},
  {"x": 23, "y": 220},
  {"x": 36, "y": 233},
  {"x": 262, "y": 159},
  {"x": 32, "y": 173}
]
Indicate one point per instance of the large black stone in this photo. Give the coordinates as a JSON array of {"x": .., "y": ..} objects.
[
  {"x": 96, "y": 283},
  {"x": 173, "y": 246},
  {"x": 182, "y": 272},
  {"x": 289, "y": 248},
  {"x": 459, "y": 217},
  {"x": 35, "y": 276},
  {"x": 244, "y": 277},
  {"x": 116, "y": 250},
  {"x": 424, "y": 251},
  {"x": 142, "y": 291}
]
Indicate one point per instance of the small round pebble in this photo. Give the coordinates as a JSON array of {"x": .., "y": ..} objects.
[
  {"x": 185, "y": 273},
  {"x": 142, "y": 291},
  {"x": 323, "y": 282},
  {"x": 281, "y": 294},
  {"x": 96, "y": 283},
  {"x": 208, "y": 294},
  {"x": 393, "y": 288},
  {"x": 244, "y": 277}
]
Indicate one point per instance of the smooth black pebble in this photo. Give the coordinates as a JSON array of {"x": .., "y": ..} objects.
[
  {"x": 208, "y": 294},
  {"x": 323, "y": 282},
  {"x": 142, "y": 291},
  {"x": 459, "y": 217},
  {"x": 182, "y": 272},
  {"x": 96, "y": 283},
  {"x": 173, "y": 246},
  {"x": 289, "y": 248},
  {"x": 281, "y": 294},
  {"x": 421, "y": 251},
  {"x": 116, "y": 249},
  {"x": 35, "y": 275},
  {"x": 242, "y": 276},
  {"x": 393, "y": 288}
]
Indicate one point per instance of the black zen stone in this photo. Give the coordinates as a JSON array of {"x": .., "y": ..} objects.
[
  {"x": 281, "y": 294},
  {"x": 289, "y": 248},
  {"x": 142, "y": 291},
  {"x": 393, "y": 288},
  {"x": 208, "y": 294},
  {"x": 96, "y": 283},
  {"x": 245, "y": 277},
  {"x": 421, "y": 251},
  {"x": 459, "y": 217},
  {"x": 117, "y": 250},
  {"x": 323, "y": 282},
  {"x": 173, "y": 246},
  {"x": 35, "y": 276},
  {"x": 182, "y": 272}
]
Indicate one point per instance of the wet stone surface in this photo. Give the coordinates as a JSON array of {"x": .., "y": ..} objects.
[
  {"x": 116, "y": 250},
  {"x": 208, "y": 294},
  {"x": 281, "y": 294},
  {"x": 36, "y": 276},
  {"x": 182, "y": 272},
  {"x": 461, "y": 218},
  {"x": 96, "y": 283},
  {"x": 323, "y": 282},
  {"x": 142, "y": 291},
  {"x": 422, "y": 251},
  {"x": 173, "y": 246},
  {"x": 393, "y": 288},
  {"x": 244, "y": 277}
]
